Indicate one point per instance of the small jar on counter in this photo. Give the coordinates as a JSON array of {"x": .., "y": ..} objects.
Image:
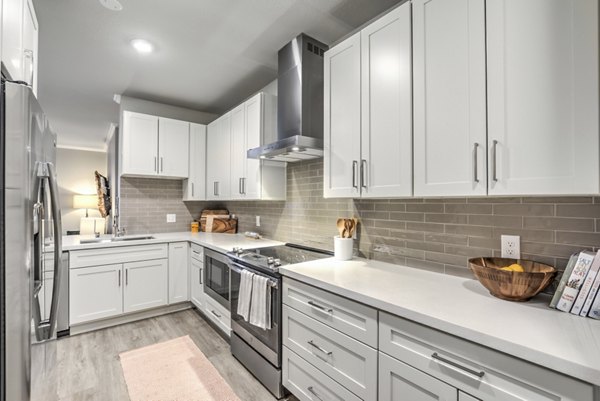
[{"x": 195, "y": 226}]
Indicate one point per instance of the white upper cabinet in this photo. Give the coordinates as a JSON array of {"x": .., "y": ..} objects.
[
  {"x": 194, "y": 188},
  {"x": 368, "y": 112},
  {"x": 154, "y": 146},
  {"x": 543, "y": 97},
  {"x": 173, "y": 147},
  {"x": 30, "y": 46},
  {"x": 20, "y": 41},
  {"x": 140, "y": 144},
  {"x": 238, "y": 151},
  {"x": 386, "y": 137},
  {"x": 230, "y": 173},
  {"x": 450, "y": 143},
  {"x": 252, "y": 183},
  {"x": 218, "y": 158},
  {"x": 342, "y": 119}
]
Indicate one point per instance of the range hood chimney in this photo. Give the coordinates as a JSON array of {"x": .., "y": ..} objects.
[{"x": 299, "y": 103}]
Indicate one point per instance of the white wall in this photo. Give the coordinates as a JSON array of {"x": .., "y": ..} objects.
[
  {"x": 75, "y": 171},
  {"x": 164, "y": 110}
]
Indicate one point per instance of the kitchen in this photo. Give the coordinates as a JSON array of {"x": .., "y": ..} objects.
[{"x": 462, "y": 136}]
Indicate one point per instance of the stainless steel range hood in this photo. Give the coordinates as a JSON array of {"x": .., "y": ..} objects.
[{"x": 299, "y": 103}]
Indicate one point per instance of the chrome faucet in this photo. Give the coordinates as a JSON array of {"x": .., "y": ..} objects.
[{"x": 118, "y": 231}]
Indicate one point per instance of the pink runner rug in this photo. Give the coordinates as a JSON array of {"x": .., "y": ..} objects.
[{"x": 174, "y": 370}]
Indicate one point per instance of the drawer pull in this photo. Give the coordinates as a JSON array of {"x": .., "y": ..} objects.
[
  {"x": 313, "y": 392},
  {"x": 216, "y": 314},
  {"x": 324, "y": 309},
  {"x": 328, "y": 353},
  {"x": 456, "y": 365}
]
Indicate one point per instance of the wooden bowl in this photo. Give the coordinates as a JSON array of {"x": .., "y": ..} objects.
[{"x": 509, "y": 285}]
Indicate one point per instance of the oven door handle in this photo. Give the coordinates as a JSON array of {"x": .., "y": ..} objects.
[{"x": 238, "y": 269}]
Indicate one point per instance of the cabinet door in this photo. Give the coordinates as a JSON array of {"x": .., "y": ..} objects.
[
  {"x": 543, "y": 98},
  {"x": 238, "y": 151},
  {"x": 146, "y": 284},
  {"x": 140, "y": 144},
  {"x": 342, "y": 120},
  {"x": 194, "y": 188},
  {"x": 12, "y": 38},
  {"x": 179, "y": 272},
  {"x": 197, "y": 289},
  {"x": 386, "y": 139},
  {"x": 30, "y": 45},
  {"x": 400, "y": 382},
  {"x": 173, "y": 147},
  {"x": 450, "y": 142},
  {"x": 252, "y": 180},
  {"x": 218, "y": 159},
  {"x": 212, "y": 158},
  {"x": 95, "y": 293}
]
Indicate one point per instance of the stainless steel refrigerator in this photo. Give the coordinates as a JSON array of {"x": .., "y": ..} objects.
[{"x": 29, "y": 224}]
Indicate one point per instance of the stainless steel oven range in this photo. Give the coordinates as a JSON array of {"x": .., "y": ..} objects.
[{"x": 257, "y": 349}]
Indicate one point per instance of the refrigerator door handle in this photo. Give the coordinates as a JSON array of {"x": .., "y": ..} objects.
[{"x": 45, "y": 329}]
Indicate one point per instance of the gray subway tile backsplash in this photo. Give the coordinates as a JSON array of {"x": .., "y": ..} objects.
[{"x": 434, "y": 234}]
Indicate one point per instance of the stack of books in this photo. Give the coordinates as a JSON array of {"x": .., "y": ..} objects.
[{"x": 578, "y": 290}]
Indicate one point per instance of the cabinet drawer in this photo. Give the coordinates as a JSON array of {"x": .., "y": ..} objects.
[
  {"x": 460, "y": 363},
  {"x": 351, "y": 318},
  {"x": 307, "y": 383},
  {"x": 197, "y": 252},
  {"x": 399, "y": 382},
  {"x": 218, "y": 314},
  {"x": 347, "y": 361},
  {"x": 118, "y": 254}
]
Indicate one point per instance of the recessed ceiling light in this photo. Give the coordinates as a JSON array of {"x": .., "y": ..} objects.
[
  {"x": 113, "y": 5},
  {"x": 142, "y": 46}
]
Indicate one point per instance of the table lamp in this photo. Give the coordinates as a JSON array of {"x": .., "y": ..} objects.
[{"x": 88, "y": 225}]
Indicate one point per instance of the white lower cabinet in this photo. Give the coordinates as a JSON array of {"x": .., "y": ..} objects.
[
  {"x": 196, "y": 286},
  {"x": 179, "y": 272},
  {"x": 95, "y": 293},
  {"x": 145, "y": 285},
  {"x": 401, "y": 382}
]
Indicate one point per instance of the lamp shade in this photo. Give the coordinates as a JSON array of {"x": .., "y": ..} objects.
[{"x": 85, "y": 202}]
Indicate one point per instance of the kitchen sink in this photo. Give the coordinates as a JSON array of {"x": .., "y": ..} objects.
[{"x": 115, "y": 239}]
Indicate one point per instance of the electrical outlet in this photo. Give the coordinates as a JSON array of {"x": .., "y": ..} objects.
[
  {"x": 171, "y": 218},
  {"x": 511, "y": 246},
  {"x": 257, "y": 221}
]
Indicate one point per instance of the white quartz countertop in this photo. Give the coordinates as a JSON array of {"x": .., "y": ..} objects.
[
  {"x": 531, "y": 331},
  {"x": 216, "y": 241}
]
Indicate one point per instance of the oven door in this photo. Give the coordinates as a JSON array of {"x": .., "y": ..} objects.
[
  {"x": 216, "y": 277},
  {"x": 265, "y": 342}
]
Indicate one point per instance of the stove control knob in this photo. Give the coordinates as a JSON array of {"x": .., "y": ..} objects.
[
  {"x": 270, "y": 260},
  {"x": 277, "y": 262}
]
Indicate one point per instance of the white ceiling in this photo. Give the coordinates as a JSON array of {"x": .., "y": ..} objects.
[{"x": 210, "y": 54}]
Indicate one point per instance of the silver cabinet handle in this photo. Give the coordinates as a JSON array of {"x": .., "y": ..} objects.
[
  {"x": 475, "y": 145},
  {"x": 313, "y": 392},
  {"x": 119, "y": 278},
  {"x": 29, "y": 54},
  {"x": 218, "y": 189},
  {"x": 328, "y": 353},
  {"x": 216, "y": 314},
  {"x": 200, "y": 276},
  {"x": 354, "y": 168},
  {"x": 192, "y": 189},
  {"x": 126, "y": 276},
  {"x": 244, "y": 185},
  {"x": 240, "y": 185},
  {"x": 316, "y": 305},
  {"x": 156, "y": 164},
  {"x": 161, "y": 164},
  {"x": 439, "y": 358},
  {"x": 494, "y": 172},
  {"x": 363, "y": 171},
  {"x": 214, "y": 188}
]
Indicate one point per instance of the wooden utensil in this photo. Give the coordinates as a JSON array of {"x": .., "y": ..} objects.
[{"x": 341, "y": 226}]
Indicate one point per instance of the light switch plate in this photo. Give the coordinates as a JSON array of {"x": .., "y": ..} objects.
[
  {"x": 257, "y": 221},
  {"x": 511, "y": 246},
  {"x": 171, "y": 218}
]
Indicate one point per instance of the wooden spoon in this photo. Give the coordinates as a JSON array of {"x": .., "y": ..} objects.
[
  {"x": 341, "y": 223},
  {"x": 352, "y": 228}
]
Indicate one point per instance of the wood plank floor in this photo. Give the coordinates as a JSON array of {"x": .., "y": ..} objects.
[{"x": 87, "y": 366}]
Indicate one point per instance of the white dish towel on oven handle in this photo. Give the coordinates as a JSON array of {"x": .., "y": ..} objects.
[
  {"x": 260, "y": 307},
  {"x": 245, "y": 296}
]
